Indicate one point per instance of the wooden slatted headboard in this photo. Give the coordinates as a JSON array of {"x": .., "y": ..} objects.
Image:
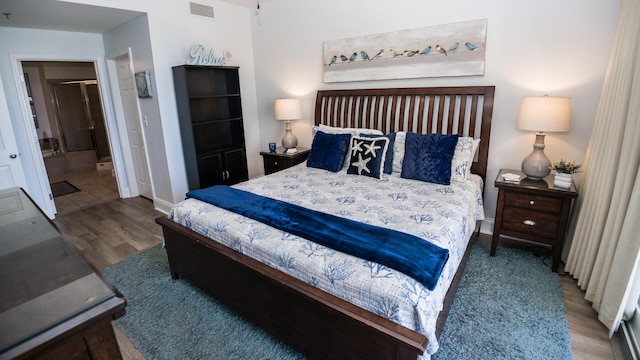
[{"x": 465, "y": 111}]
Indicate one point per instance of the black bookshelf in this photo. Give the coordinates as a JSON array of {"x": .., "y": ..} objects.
[{"x": 211, "y": 124}]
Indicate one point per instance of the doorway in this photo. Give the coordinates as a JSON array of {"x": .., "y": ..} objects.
[{"x": 69, "y": 121}]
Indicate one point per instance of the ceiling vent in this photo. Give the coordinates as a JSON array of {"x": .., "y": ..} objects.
[{"x": 201, "y": 10}]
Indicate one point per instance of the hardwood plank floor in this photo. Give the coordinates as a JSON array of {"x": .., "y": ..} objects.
[{"x": 112, "y": 231}]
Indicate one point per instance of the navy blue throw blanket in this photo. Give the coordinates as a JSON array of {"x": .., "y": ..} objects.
[{"x": 403, "y": 252}]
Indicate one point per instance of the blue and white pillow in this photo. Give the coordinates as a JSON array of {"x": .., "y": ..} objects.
[
  {"x": 388, "y": 160},
  {"x": 367, "y": 156},
  {"x": 463, "y": 158}
]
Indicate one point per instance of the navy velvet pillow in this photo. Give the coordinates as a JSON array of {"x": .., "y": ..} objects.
[
  {"x": 367, "y": 156},
  {"x": 427, "y": 157},
  {"x": 388, "y": 159},
  {"x": 328, "y": 151}
]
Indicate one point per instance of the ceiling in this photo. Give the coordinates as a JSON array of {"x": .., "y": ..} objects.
[
  {"x": 66, "y": 16},
  {"x": 63, "y": 16}
]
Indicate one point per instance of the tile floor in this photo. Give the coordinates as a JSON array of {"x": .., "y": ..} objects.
[{"x": 96, "y": 188}]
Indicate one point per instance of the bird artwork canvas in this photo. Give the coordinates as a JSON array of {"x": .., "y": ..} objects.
[{"x": 455, "y": 49}]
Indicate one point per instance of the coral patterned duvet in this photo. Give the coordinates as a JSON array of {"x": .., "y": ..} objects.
[{"x": 442, "y": 214}]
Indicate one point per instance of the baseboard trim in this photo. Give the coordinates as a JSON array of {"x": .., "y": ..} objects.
[
  {"x": 486, "y": 226},
  {"x": 162, "y": 206}
]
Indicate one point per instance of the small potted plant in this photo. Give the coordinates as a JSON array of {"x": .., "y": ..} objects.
[{"x": 564, "y": 172}]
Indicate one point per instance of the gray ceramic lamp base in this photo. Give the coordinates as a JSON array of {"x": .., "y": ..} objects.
[
  {"x": 289, "y": 141},
  {"x": 537, "y": 165}
]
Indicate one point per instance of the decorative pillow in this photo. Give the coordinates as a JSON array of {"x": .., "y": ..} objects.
[
  {"x": 398, "y": 152},
  {"x": 388, "y": 158},
  {"x": 328, "y": 151},
  {"x": 474, "y": 150},
  {"x": 367, "y": 156},
  {"x": 463, "y": 158},
  {"x": 428, "y": 157},
  {"x": 352, "y": 131}
]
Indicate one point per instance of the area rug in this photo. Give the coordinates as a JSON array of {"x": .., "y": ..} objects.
[
  {"x": 507, "y": 307},
  {"x": 62, "y": 188}
]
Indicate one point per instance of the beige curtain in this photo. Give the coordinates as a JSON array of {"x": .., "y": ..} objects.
[{"x": 604, "y": 232}]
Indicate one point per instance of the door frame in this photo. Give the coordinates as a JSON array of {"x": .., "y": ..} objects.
[
  {"x": 44, "y": 196},
  {"x": 114, "y": 82}
]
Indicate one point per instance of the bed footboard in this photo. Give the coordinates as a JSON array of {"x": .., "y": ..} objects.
[{"x": 315, "y": 323}]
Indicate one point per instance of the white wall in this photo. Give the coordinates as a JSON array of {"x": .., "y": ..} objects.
[
  {"x": 534, "y": 47},
  {"x": 171, "y": 32},
  {"x": 31, "y": 44},
  {"x": 135, "y": 35}
]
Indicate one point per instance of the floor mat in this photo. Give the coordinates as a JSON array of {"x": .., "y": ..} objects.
[{"x": 61, "y": 188}]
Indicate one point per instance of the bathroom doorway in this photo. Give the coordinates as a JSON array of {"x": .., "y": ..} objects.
[{"x": 69, "y": 121}]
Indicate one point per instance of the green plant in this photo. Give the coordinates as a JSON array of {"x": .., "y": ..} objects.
[{"x": 566, "y": 167}]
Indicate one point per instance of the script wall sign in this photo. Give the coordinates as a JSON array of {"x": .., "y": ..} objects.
[{"x": 198, "y": 55}]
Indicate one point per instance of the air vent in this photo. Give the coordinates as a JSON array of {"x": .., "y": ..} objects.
[{"x": 201, "y": 10}]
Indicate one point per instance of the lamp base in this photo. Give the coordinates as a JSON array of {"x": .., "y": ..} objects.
[
  {"x": 289, "y": 141},
  {"x": 537, "y": 165}
]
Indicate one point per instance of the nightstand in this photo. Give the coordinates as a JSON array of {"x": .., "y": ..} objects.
[
  {"x": 532, "y": 210},
  {"x": 279, "y": 160}
]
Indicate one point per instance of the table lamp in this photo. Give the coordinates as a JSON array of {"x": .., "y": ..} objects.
[
  {"x": 550, "y": 114},
  {"x": 288, "y": 110}
]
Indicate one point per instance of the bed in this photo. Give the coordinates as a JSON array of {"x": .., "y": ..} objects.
[{"x": 314, "y": 316}]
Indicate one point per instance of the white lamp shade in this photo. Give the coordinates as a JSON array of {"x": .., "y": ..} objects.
[
  {"x": 552, "y": 114},
  {"x": 287, "y": 109}
]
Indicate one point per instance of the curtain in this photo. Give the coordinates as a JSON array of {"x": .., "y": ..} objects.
[{"x": 604, "y": 233}]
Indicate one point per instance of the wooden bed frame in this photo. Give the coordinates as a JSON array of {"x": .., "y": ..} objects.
[{"x": 315, "y": 323}]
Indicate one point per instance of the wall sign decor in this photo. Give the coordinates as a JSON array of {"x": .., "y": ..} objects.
[
  {"x": 143, "y": 84},
  {"x": 455, "y": 49},
  {"x": 199, "y": 56}
]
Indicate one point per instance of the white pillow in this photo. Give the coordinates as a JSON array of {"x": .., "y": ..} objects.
[
  {"x": 352, "y": 131},
  {"x": 398, "y": 152},
  {"x": 463, "y": 158}
]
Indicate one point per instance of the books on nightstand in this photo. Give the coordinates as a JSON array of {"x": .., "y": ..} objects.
[{"x": 512, "y": 178}]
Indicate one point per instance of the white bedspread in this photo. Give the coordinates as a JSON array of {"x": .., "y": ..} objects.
[{"x": 443, "y": 215}]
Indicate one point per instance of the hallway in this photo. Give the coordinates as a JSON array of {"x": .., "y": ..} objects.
[{"x": 96, "y": 187}]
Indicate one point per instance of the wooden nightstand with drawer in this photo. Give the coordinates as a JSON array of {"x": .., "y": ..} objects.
[
  {"x": 532, "y": 210},
  {"x": 279, "y": 160}
]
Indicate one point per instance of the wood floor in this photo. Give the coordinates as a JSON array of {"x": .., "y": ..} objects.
[{"x": 114, "y": 230}]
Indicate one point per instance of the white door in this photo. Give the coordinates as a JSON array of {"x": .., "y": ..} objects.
[
  {"x": 129, "y": 98},
  {"x": 11, "y": 172}
]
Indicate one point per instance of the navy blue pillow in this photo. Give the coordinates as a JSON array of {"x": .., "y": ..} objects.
[
  {"x": 367, "y": 156},
  {"x": 328, "y": 151},
  {"x": 388, "y": 159},
  {"x": 427, "y": 157}
]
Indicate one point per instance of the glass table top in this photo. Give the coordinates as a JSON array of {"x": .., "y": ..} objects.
[{"x": 45, "y": 281}]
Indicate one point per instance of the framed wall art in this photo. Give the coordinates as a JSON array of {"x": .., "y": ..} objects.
[
  {"x": 455, "y": 49},
  {"x": 143, "y": 84}
]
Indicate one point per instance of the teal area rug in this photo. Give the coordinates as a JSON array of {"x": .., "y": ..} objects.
[{"x": 507, "y": 307}]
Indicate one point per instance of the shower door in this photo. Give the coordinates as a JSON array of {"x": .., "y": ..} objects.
[{"x": 72, "y": 117}]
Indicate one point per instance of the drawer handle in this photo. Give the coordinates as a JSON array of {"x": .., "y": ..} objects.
[
  {"x": 529, "y": 222},
  {"x": 532, "y": 202},
  {"x": 275, "y": 163}
]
